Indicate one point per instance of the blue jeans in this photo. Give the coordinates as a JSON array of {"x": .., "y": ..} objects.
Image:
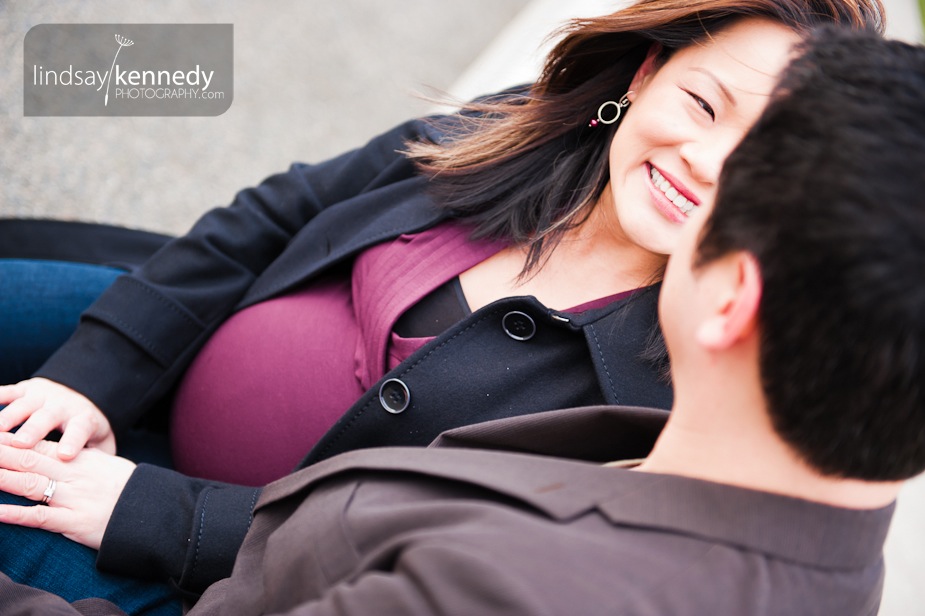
[
  {"x": 54, "y": 563},
  {"x": 40, "y": 305}
]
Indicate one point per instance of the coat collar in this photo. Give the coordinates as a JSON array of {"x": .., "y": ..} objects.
[
  {"x": 574, "y": 483},
  {"x": 340, "y": 233}
]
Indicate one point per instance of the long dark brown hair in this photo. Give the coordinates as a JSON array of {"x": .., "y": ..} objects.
[{"x": 525, "y": 167}]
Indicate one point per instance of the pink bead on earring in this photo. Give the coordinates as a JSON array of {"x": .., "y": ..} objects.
[{"x": 623, "y": 104}]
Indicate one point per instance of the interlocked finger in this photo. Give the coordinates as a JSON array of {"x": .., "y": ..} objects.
[
  {"x": 41, "y": 423},
  {"x": 45, "y": 448},
  {"x": 33, "y": 486},
  {"x": 17, "y": 411},
  {"x": 29, "y": 473}
]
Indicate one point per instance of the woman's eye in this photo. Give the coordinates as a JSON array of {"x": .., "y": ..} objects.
[{"x": 703, "y": 104}]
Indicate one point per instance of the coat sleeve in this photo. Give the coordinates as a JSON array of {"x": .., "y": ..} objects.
[
  {"x": 169, "y": 526},
  {"x": 138, "y": 337}
]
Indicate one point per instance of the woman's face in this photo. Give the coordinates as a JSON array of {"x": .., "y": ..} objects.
[{"x": 685, "y": 119}]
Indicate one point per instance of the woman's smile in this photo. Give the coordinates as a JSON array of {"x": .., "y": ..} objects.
[{"x": 671, "y": 197}]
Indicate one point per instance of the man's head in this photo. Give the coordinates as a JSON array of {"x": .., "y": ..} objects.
[{"x": 823, "y": 206}]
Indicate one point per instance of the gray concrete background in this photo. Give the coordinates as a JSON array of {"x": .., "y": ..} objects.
[{"x": 312, "y": 78}]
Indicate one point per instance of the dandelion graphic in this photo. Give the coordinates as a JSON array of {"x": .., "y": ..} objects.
[{"x": 123, "y": 42}]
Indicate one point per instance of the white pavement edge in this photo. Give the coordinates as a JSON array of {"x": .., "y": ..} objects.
[{"x": 515, "y": 56}]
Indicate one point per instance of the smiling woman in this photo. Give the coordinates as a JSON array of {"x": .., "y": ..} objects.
[
  {"x": 686, "y": 112},
  {"x": 686, "y": 118},
  {"x": 497, "y": 262}
]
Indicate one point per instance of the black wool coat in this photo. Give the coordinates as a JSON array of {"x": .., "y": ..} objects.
[{"x": 512, "y": 357}]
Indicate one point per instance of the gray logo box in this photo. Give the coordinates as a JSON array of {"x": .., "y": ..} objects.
[{"x": 128, "y": 69}]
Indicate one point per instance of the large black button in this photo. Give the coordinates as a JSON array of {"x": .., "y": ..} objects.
[
  {"x": 518, "y": 325},
  {"x": 394, "y": 396}
]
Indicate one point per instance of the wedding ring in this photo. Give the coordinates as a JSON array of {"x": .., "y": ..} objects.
[{"x": 49, "y": 491}]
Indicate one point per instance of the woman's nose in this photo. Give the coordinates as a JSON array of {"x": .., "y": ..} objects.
[{"x": 705, "y": 158}]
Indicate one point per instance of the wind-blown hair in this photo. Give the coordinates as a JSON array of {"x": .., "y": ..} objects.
[
  {"x": 525, "y": 167},
  {"x": 827, "y": 192}
]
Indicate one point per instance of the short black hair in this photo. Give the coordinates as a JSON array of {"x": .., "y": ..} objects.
[{"x": 827, "y": 191}]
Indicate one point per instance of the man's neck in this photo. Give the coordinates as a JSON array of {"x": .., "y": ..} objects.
[{"x": 725, "y": 436}]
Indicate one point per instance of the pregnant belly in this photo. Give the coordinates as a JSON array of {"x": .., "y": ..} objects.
[{"x": 267, "y": 386}]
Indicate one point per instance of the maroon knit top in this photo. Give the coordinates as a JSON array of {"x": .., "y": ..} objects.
[{"x": 275, "y": 376}]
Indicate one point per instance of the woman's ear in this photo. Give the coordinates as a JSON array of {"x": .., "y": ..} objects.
[
  {"x": 734, "y": 315},
  {"x": 645, "y": 70}
]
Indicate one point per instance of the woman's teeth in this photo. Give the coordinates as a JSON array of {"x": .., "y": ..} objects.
[{"x": 683, "y": 203}]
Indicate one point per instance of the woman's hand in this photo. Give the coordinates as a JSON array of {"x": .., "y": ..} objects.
[
  {"x": 84, "y": 492},
  {"x": 45, "y": 406}
]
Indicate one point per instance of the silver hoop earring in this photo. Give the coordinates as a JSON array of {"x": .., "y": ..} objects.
[{"x": 623, "y": 104}]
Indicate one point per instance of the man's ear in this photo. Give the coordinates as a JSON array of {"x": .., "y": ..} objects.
[
  {"x": 733, "y": 314},
  {"x": 645, "y": 70}
]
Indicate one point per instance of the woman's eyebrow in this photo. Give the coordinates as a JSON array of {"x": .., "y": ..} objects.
[{"x": 719, "y": 84}]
